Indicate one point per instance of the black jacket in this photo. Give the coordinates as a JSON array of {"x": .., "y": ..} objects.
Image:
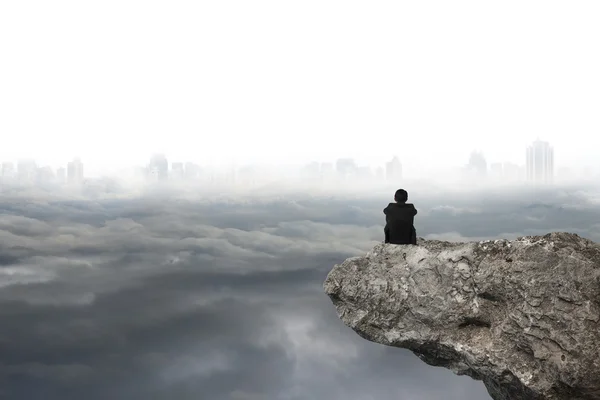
[{"x": 399, "y": 220}]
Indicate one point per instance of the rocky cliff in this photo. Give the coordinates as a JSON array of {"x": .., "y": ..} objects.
[{"x": 522, "y": 315}]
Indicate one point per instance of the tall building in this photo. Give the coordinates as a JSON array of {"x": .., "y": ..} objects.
[
  {"x": 327, "y": 173},
  {"x": 393, "y": 170},
  {"x": 8, "y": 170},
  {"x": 61, "y": 175},
  {"x": 496, "y": 171},
  {"x": 158, "y": 169},
  {"x": 75, "y": 171},
  {"x": 312, "y": 172},
  {"x": 540, "y": 162},
  {"x": 177, "y": 170},
  {"x": 346, "y": 168},
  {"x": 248, "y": 176},
  {"x": 26, "y": 170},
  {"x": 477, "y": 166},
  {"x": 192, "y": 170},
  {"x": 364, "y": 174},
  {"x": 45, "y": 175},
  {"x": 230, "y": 175}
]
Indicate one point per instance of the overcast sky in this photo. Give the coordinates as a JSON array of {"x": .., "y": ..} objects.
[
  {"x": 159, "y": 298},
  {"x": 281, "y": 81}
]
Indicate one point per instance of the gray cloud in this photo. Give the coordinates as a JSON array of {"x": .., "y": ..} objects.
[{"x": 160, "y": 298}]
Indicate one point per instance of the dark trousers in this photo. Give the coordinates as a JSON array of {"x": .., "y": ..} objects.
[{"x": 412, "y": 239}]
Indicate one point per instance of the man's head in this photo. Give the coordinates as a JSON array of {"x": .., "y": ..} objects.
[{"x": 401, "y": 196}]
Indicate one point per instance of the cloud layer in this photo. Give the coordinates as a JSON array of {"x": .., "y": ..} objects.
[{"x": 161, "y": 298}]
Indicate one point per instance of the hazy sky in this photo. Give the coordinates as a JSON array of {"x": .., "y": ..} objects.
[
  {"x": 163, "y": 298},
  {"x": 213, "y": 81}
]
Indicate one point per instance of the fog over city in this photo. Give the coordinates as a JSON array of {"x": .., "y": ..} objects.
[
  {"x": 178, "y": 178},
  {"x": 343, "y": 175}
]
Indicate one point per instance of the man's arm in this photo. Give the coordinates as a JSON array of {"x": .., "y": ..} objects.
[{"x": 386, "y": 232}]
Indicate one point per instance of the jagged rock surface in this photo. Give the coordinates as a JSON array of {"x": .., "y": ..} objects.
[{"x": 522, "y": 316}]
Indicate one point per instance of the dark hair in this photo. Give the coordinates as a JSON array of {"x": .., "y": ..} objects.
[{"x": 401, "y": 196}]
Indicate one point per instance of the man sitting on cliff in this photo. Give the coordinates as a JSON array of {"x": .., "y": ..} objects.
[{"x": 399, "y": 218}]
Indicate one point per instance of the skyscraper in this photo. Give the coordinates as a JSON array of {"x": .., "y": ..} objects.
[
  {"x": 75, "y": 171},
  {"x": 327, "y": 172},
  {"x": 393, "y": 170},
  {"x": 27, "y": 170},
  {"x": 177, "y": 170},
  {"x": 540, "y": 162},
  {"x": 45, "y": 174},
  {"x": 61, "y": 175},
  {"x": 192, "y": 170},
  {"x": 346, "y": 168},
  {"x": 312, "y": 172},
  {"x": 364, "y": 174},
  {"x": 248, "y": 176},
  {"x": 477, "y": 166},
  {"x": 496, "y": 171},
  {"x": 8, "y": 170},
  {"x": 158, "y": 168}
]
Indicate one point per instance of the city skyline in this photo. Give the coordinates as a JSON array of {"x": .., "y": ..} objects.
[
  {"x": 538, "y": 168},
  {"x": 419, "y": 156},
  {"x": 109, "y": 165}
]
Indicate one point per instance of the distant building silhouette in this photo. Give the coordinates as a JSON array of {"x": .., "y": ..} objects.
[
  {"x": 540, "y": 162},
  {"x": 364, "y": 174},
  {"x": 393, "y": 170},
  {"x": 8, "y": 170},
  {"x": 26, "y": 170},
  {"x": 191, "y": 170},
  {"x": 158, "y": 169},
  {"x": 587, "y": 173},
  {"x": 327, "y": 172},
  {"x": 346, "y": 168},
  {"x": 177, "y": 170},
  {"x": 312, "y": 172},
  {"x": 75, "y": 171},
  {"x": 45, "y": 175},
  {"x": 248, "y": 176},
  {"x": 230, "y": 175},
  {"x": 496, "y": 171},
  {"x": 477, "y": 165},
  {"x": 61, "y": 175}
]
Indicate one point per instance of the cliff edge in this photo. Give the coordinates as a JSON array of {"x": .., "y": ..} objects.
[{"x": 522, "y": 315}]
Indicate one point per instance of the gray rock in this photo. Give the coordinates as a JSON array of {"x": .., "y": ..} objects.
[{"x": 522, "y": 315}]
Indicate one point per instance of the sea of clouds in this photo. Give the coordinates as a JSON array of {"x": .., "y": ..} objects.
[{"x": 156, "y": 294}]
